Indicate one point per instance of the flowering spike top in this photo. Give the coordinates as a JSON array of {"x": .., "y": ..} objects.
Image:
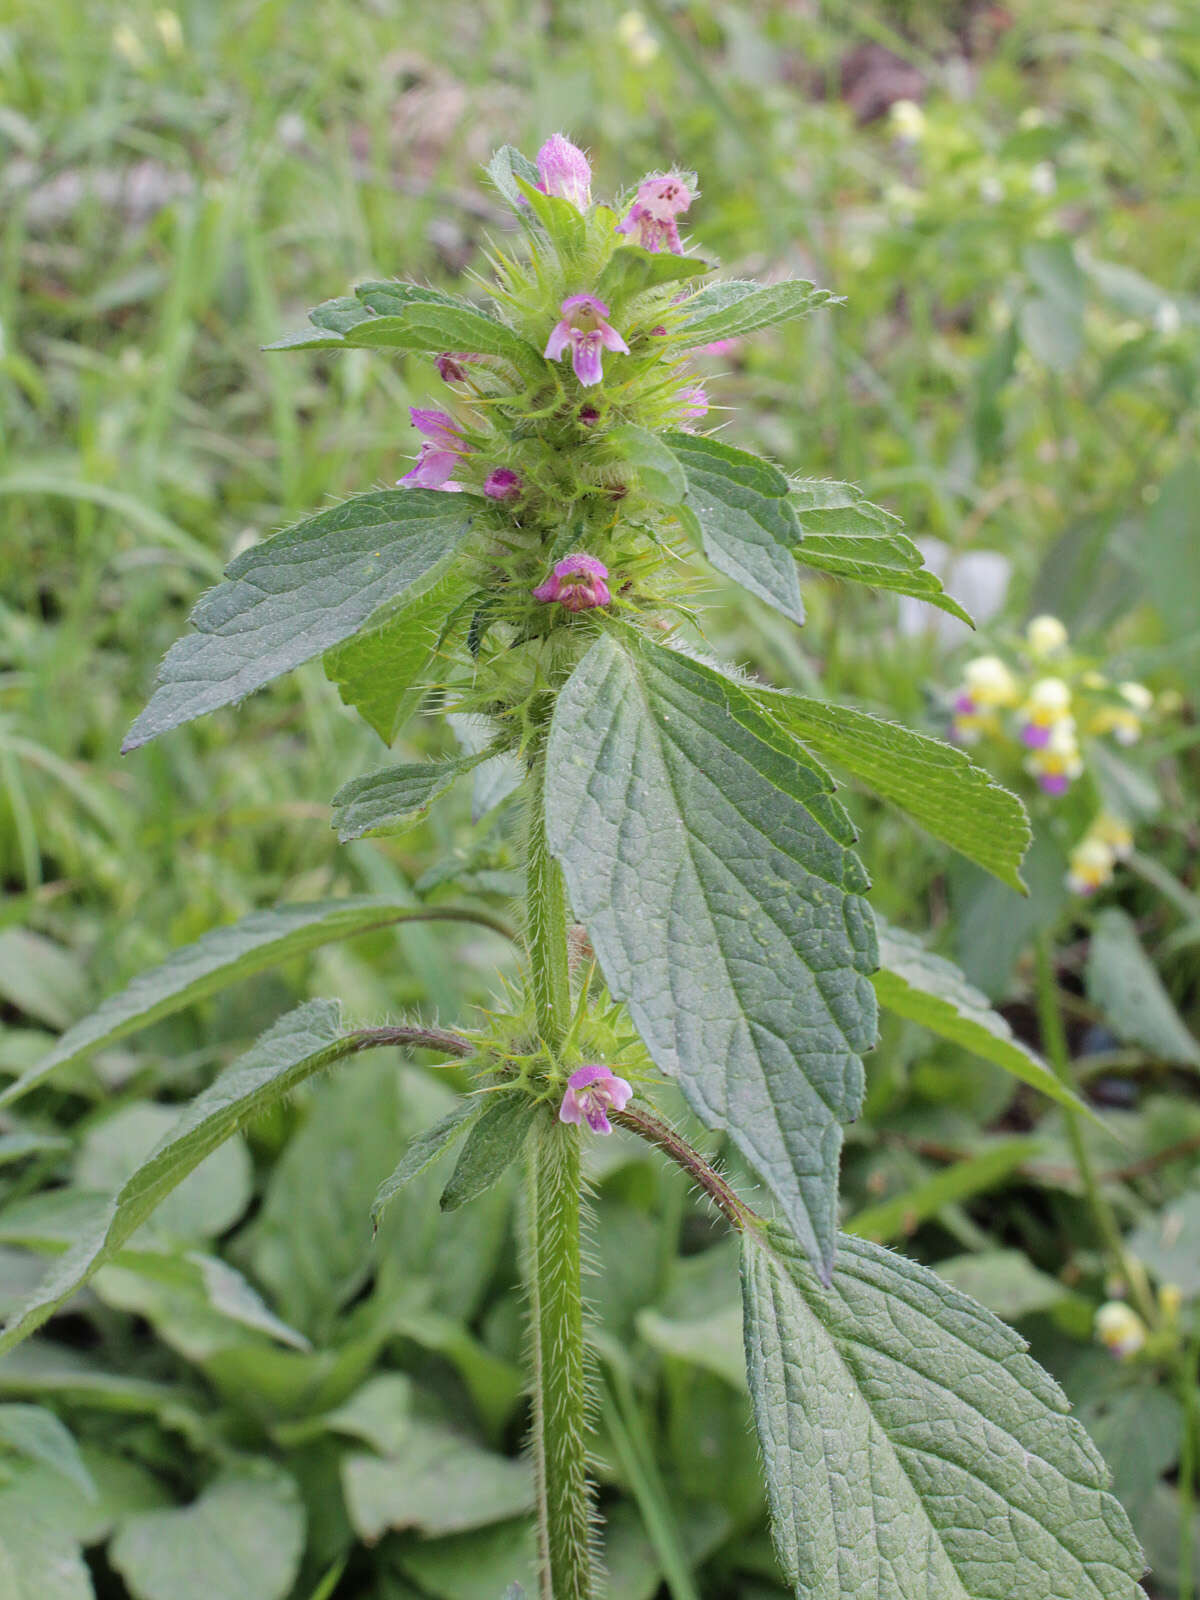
[
  {"x": 591, "y": 1090},
  {"x": 578, "y": 582},
  {"x": 585, "y": 329},
  {"x": 440, "y": 453},
  {"x": 564, "y": 171},
  {"x": 651, "y": 219}
]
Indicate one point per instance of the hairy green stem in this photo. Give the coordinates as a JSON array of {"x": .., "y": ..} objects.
[
  {"x": 564, "y": 1513},
  {"x": 546, "y": 923},
  {"x": 1054, "y": 1042}
]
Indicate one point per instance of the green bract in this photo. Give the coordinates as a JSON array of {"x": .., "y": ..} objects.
[{"x": 536, "y": 568}]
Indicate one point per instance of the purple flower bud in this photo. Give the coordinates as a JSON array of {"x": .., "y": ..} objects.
[
  {"x": 591, "y": 1090},
  {"x": 563, "y": 169},
  {"x": 578, "y": 582},
  {"x": 502, "y": 484},
  {"x": 450, "y": 366},
  {"x": 1053, "y": 782},
  {"x": 720, "y": 347},
  {"x": 440, "y": 454},
  {"x": 589, "y": 416},
  {"x": 650, "y": 220},
  {"x": 1036, "y": 735},
  {"x": 584, "y": 329}
]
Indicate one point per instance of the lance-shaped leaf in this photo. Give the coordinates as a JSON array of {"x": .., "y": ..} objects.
[
  {"x": 632, "y": 270},
  {"x": 295, "y": 595},
  {"x": 391, "y": 297},
  {"x": 712, "y": 868},
  {"x": 494, "y": 1141},
  {"x": 385, "y": 669},
  {"x": 729, "y": 310},
  {"x": 300, "y": 1044},
  {"x": 395, "y": 798},
  {"x": 225, "y": 956},
  {"x": 847, "y": 536},
  {"x": 738, "y": 507},
  {"x": 912, "y": 1448},
  {"x": 935, "y": 783},
  {"x": 424, "y": 323},
  {"x": 926, "y": 988},
  {"x": 422, "y": 1152}
]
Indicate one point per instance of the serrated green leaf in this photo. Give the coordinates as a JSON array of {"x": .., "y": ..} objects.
[
  {"x": 241, "y": 1540},
  {"x": 422, "y": 1152},
  {"x": 391, "y": 297},
  {"x": 507, "y": 165},
  {"x": 384, "y": 670},
  {"x": 848, "y": 537},
  {"x": 730, "y": 310},
  {"x": 494, "y": 1141},
  {"x": 974, "y": 1174},
  {"x": 1122, "y": 982},
  {"x": 712, "y": 869},
  {"x": 632, "y": 270},
  {"x": 657, "y": 468},
  {"x": 224, "y": 956},
  {"x": 395, "y": 798},
  {"x": 926, "y": 988},
  {"x": 441, "y": 1484},
  {"x": 299, "y": 593},
  {"x": 299, "y": 1045},
  {"x": 935, "y": 783},
  {"x": 910, "y": 1445},
  {"x": 746, "y": 524},
  {"x": 308, "y": 339},
  {"x": 337, "y": 315},
  {"x": 437, "y": 325},
  {"x": 39, "y": 1435}
]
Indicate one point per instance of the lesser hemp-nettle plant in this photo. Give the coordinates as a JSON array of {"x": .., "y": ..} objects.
[{"x": 694, "y": 909}]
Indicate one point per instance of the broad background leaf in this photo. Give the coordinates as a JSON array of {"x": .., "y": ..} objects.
[{"x": 1122, "y": 982}]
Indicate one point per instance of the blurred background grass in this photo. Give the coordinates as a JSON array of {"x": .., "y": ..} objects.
[{"x": 1014, "y": 371}]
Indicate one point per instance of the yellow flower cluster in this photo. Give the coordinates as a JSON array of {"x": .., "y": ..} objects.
[
  {"x": 1094, "y": 858},
  {"x": 1040, "y": 707}
]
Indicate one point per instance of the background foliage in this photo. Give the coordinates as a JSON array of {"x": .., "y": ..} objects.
[{"x": 1014, "y": 372}]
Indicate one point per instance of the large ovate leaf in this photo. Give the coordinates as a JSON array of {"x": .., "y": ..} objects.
[
  {"x": 926, "y": 988},
  {"x": 738, "y": 503},
  {"x": 299, "y": 593},
  {"x": 241, "y": 1540},
  {"x": 729, "y": 310},
  {"x": 37, "y": 1434},
  {"x": 224, "y": 956},
  {"x": 848, "y": 537},
  {"x": 912, "y": 1448},
  {"x": 395, "y": 798},
  {"x": 1122, "y": 981},
  {"x": 300, "y": 1044},
  {"x": 937, "y": 784},
  {"x": 385, "y": 669},
  {"x": 712, "y": 868},
  {"x": 38, "y": 1559}
]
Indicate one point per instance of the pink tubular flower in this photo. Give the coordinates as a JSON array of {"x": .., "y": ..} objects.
[
  {"x": 650, "y": 220},
  {"x": 564, "y": 171},
  {"x": 584, "y": 329},
  {"x": 590, "y": 1091},
  {"x": 694, "y": 407},
  {"x": 444, "y": 446},
  {"x": 578, "y": 582},
  {"x": 502, "y": 484}
]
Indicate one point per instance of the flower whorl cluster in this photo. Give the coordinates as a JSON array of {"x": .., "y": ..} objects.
[{"x": 1038, "y": 710}]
